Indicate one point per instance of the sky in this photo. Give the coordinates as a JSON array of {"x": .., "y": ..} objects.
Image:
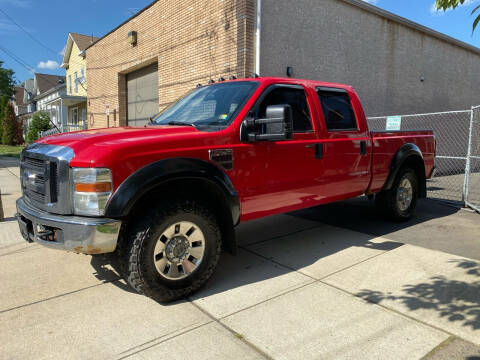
[{"x": 38, "y": 42}]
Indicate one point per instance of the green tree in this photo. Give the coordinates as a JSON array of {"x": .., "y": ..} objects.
[
  {"x": 9, "y": 126},
  {"x": 3, "y": 108},
  {"x": 19, "y": 132},
  {"x": 40, "y": 122},
  {"x": 452, "y": 4},
  {"x": 7, "y": 81}
]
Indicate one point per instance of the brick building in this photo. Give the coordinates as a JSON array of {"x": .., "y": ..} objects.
[
  {"x": 396, "y": 66},
  {"x": 179, "y": 44}
]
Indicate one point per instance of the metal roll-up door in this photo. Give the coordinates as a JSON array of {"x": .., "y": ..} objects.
[{"x": 142, "y": 95}]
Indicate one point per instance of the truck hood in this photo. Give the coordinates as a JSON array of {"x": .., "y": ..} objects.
[
  {"x": 116, "y": 136},
  {"x": 101, "y": 146}
]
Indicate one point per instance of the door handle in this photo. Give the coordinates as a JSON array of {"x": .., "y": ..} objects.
[
  {"x": 363, "y": 147},
  {"x": 318, "y": 149}
]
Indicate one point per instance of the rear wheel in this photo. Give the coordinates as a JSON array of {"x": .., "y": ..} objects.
[
  {"x": 171, "y": 252},
  {"x": 399, "y": 203}
]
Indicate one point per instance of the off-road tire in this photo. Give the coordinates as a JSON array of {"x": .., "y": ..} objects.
[
  {"x": 135, "y": 250},
  {"x": 386, "y": 201}
]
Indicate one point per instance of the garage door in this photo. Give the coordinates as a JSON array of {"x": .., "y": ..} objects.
[{"x": 142, "y": 95}]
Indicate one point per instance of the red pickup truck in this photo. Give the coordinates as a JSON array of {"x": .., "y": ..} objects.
[{"x": 166, "y": 197}]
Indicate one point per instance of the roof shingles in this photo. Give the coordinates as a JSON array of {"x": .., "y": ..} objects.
[
  {"x": 83, "y": 41},
  {"x": 19, "y": 90},
  {"x": 46, "y": 82}
]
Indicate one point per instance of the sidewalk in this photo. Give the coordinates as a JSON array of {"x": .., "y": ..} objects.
[
  {"x": 298, "y": 289},
  {"x": 9, "y": 185}
]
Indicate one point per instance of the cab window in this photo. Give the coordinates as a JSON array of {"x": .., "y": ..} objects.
[
  {"x": 296, "y": 98},
  {"x": 337, "y": 110}
]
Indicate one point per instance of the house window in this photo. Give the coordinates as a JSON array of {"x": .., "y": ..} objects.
[
  {"x": 70, "y": 84},
  {"x": 82, "y": 71},
  {"x": 76, "y": 82},
  {"x": 74, "y": 116}
]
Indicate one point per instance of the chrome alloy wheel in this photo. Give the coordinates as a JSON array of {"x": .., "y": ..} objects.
[
  {"x": 404, "y": 194},
  {"x": 179, "y": 250}
]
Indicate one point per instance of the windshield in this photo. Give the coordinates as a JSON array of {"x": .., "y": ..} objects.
[{"x": 213, "y": 105}]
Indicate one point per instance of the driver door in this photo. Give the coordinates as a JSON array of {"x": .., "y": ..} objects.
[{"x": 293, "y": 168}]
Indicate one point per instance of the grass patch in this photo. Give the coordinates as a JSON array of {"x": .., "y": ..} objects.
[{"x": 14, "y": 151}]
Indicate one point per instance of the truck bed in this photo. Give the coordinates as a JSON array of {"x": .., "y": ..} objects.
[{"x": 386, "y": 144}]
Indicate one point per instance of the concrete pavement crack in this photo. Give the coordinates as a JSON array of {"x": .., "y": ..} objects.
[
  {"x": 321, "y": 280},
  {"x": 57, "y": 296},
  {"x": 233, "y": 332},
  {"x": 164, "y": 338},
  {"x": 6, "y": 168}
]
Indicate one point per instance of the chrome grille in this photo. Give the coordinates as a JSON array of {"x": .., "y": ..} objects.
[
  {"x": 34, "y": 179},
  {"x": 39, "y": 180},
  {"x": 35, "y": 196},
  {"x": 36, "y": 163},
  {"x": 45, "y": 177}
]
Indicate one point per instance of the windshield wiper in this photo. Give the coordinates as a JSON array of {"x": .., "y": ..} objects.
[{"x": 180, "y": 123}]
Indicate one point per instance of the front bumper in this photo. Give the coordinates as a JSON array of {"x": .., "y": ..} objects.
[{"x": 70, "y": 233}]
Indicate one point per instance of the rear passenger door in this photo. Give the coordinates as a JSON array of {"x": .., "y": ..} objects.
[{"x": 347, "y": 145}]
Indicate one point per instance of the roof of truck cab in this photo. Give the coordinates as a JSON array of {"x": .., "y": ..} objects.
[{"x": 287, "y": 80}]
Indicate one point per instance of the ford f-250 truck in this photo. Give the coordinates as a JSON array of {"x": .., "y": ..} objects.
[{"x": 166, "y": 197}]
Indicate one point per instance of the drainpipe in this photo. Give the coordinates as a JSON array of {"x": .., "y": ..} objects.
[{"x": 258, "y": 28}]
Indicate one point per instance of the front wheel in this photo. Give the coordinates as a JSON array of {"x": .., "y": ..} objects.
[
  {"x": 171, "y": 251},
  {"x": 399, "y": 203}
]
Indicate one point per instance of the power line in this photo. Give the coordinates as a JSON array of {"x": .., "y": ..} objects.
[
  {"x": 28, "y": 67},
  {"x": 29, "y": 35},
  {"x": 18, "y": 60}
]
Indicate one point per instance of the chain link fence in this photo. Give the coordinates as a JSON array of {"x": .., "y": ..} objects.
[
  {"x": 472, "y": 172},
  {"x": 452, "y": 132}
]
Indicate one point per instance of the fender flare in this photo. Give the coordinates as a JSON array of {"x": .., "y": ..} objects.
[
  {"x": 407, "y": 152},
  {"x": 147, "y": 178}
]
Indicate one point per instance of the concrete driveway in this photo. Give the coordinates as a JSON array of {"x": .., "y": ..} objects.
[{"x": 331, "y": 282}]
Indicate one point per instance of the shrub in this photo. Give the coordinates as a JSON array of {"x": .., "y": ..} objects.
[
  {"x": 9, "y": 125},
  {"x": 40, "y": 122}
]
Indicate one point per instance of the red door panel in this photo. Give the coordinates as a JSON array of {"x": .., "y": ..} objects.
[{"x": 347, "y": 143}]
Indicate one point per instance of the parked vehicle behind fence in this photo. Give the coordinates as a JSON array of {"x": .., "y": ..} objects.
[{"x": 166, "y": 197}]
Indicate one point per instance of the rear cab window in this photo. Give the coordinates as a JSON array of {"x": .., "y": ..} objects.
[{"x": 337, "y": 109}]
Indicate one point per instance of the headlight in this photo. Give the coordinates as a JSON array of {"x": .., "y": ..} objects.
[{"x": 92, "y": 188}]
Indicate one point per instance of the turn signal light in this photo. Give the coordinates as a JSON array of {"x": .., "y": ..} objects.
[{"x": 100, "y": 187}]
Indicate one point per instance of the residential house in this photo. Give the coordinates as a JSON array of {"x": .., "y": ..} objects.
[
  {"x": 19, "y": 105},
  {"x": 46, "y": 92},
  {"x": 75, "y": 64},
  {"x": 18, "y": 101},
  {"x": 51, "y": 92},
  {"x": 28, "y": 95}
]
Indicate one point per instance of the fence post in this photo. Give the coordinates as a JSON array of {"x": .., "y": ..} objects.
[{"x": 466, "y": 182}]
